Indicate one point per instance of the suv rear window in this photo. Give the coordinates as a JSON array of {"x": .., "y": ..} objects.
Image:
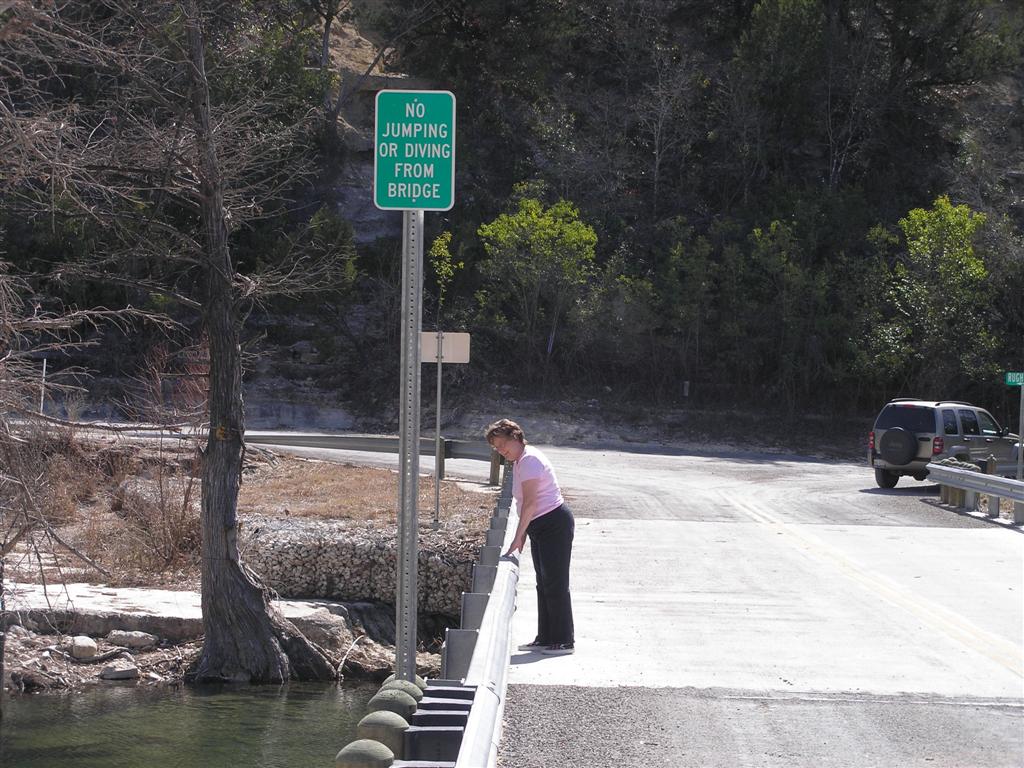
[{"x": 913, "y": 418}]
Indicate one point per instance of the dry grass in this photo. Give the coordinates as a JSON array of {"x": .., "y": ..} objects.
[
  {"x": 126, "y": 506},
  {"x": 310, "y": 488}
]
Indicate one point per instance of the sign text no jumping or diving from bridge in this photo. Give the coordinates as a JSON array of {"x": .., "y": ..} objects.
[{"x": 414, "y": 151}]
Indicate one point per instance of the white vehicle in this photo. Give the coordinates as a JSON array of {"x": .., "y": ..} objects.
[{"x": 909, "y": 433}]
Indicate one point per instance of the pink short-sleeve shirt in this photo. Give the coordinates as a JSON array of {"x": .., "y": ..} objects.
[{"x": 534, "y": 465}]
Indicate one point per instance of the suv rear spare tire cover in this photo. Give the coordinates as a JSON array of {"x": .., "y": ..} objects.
[{"x": 898, "y": 446}]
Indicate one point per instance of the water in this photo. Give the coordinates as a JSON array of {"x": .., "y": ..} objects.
[{"x": 134, "y": 727}]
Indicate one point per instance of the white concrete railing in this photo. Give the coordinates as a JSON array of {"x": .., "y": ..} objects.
[
  {"x": 994, "y": 486},
  {"x": 488, "y": 666},
  {"x": 488, "y": 671},
  {"x": 474, "y": 673}
]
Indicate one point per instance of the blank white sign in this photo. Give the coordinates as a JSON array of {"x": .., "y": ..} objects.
[{"x": 454, "y": 347}]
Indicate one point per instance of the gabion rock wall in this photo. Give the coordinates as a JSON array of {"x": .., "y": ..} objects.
[{"x": 348, "y": 561}]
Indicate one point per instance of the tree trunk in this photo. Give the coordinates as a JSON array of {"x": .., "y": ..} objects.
[
  {"x": 331, "y": 111},
  {"x": 246, "y": 639},
  {"x": 3, "y": 640}
]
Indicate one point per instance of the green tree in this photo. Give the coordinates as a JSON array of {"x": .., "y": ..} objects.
[
  {"x": 539, "y": 259},
  {"x": 934, "y": 330},
  {"x": 822, "y": 93},
  {"x": 769, "y": 316},
  {"x": 616, "y": 327},
  {"x": 682, "y": 289},
  {"x": 445, "y": 267}
]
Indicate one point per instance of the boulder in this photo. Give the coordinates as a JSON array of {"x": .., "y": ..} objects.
[
  {"x": 16, "y": 631},
  {"x": 120, "y": 669},
  {"x": 82, "y": 647},
  {"x": 325, "y": 629},
  {"x": 136, "y": 640}
]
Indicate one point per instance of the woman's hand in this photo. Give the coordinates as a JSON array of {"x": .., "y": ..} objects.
[
  {"x": 517, "y": 544},
  {"x": 525, "y": 515}
]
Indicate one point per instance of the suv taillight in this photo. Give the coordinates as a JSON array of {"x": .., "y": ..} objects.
[
  {"x": 938, "y": 444},
  {"x": 871, "y": 441}
]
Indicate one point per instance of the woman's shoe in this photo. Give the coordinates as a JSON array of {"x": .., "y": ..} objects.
[
  {"x": 559, "y": 649},
  {"x": 533, "y": 645}
]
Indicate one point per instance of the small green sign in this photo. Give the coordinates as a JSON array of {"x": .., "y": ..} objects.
[
  {"x": 1014, "y": 378},
  {"x": 414, "y": 151}
]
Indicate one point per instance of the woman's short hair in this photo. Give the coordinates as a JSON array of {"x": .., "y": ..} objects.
[{"x": 505, "y": 428}]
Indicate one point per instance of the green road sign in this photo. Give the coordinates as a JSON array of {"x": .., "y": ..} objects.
[
  {"x": 1014, "y": 378},
  {"x": 414, "y": 151}
]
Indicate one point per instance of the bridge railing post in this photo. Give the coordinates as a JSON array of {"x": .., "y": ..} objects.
[
  {"x": 990, "y": 466},
  {"x": 495, "y": 478}
]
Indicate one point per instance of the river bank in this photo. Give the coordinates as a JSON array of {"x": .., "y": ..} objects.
[
  {"x": 117, "y": 555},
  {"x": 71, "y": 636}
]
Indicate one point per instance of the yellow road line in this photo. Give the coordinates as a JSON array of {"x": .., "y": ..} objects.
[{"x": 998, "y": 649}]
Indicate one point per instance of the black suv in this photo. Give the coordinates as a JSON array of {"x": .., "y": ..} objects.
[{"x": 909, "y": 433}]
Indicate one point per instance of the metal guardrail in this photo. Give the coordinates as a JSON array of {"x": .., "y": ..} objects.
[
  {"x": 469, "y": 449},
  {"x": 477, "y": 450},
  {"x": 979, "y": 482},
  {"x": 994, "y": 486},
  {"x": 454, "y": 449}
]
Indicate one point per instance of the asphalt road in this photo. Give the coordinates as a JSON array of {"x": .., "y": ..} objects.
[{"x": 764, "y": 610}]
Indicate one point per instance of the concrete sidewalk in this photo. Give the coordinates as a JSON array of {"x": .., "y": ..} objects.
[{"x": 172, "y": 615}]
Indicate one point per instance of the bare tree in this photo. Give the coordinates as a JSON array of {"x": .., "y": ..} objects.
[
  {"x": 178, "y": 146},
  {"x": 27, "y": 333},
  {"x": 244, "y": 637},
  {"x": 661, "y": 113}
]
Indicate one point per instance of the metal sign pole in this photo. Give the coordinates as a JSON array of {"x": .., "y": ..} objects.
[
  {"x": 1020, "y": 436},
  {"x": 439, "y": 447},
  {"x": 409, "y": 443}
]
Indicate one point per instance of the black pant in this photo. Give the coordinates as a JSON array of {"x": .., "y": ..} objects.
[{"x": 551, "y": 547}]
